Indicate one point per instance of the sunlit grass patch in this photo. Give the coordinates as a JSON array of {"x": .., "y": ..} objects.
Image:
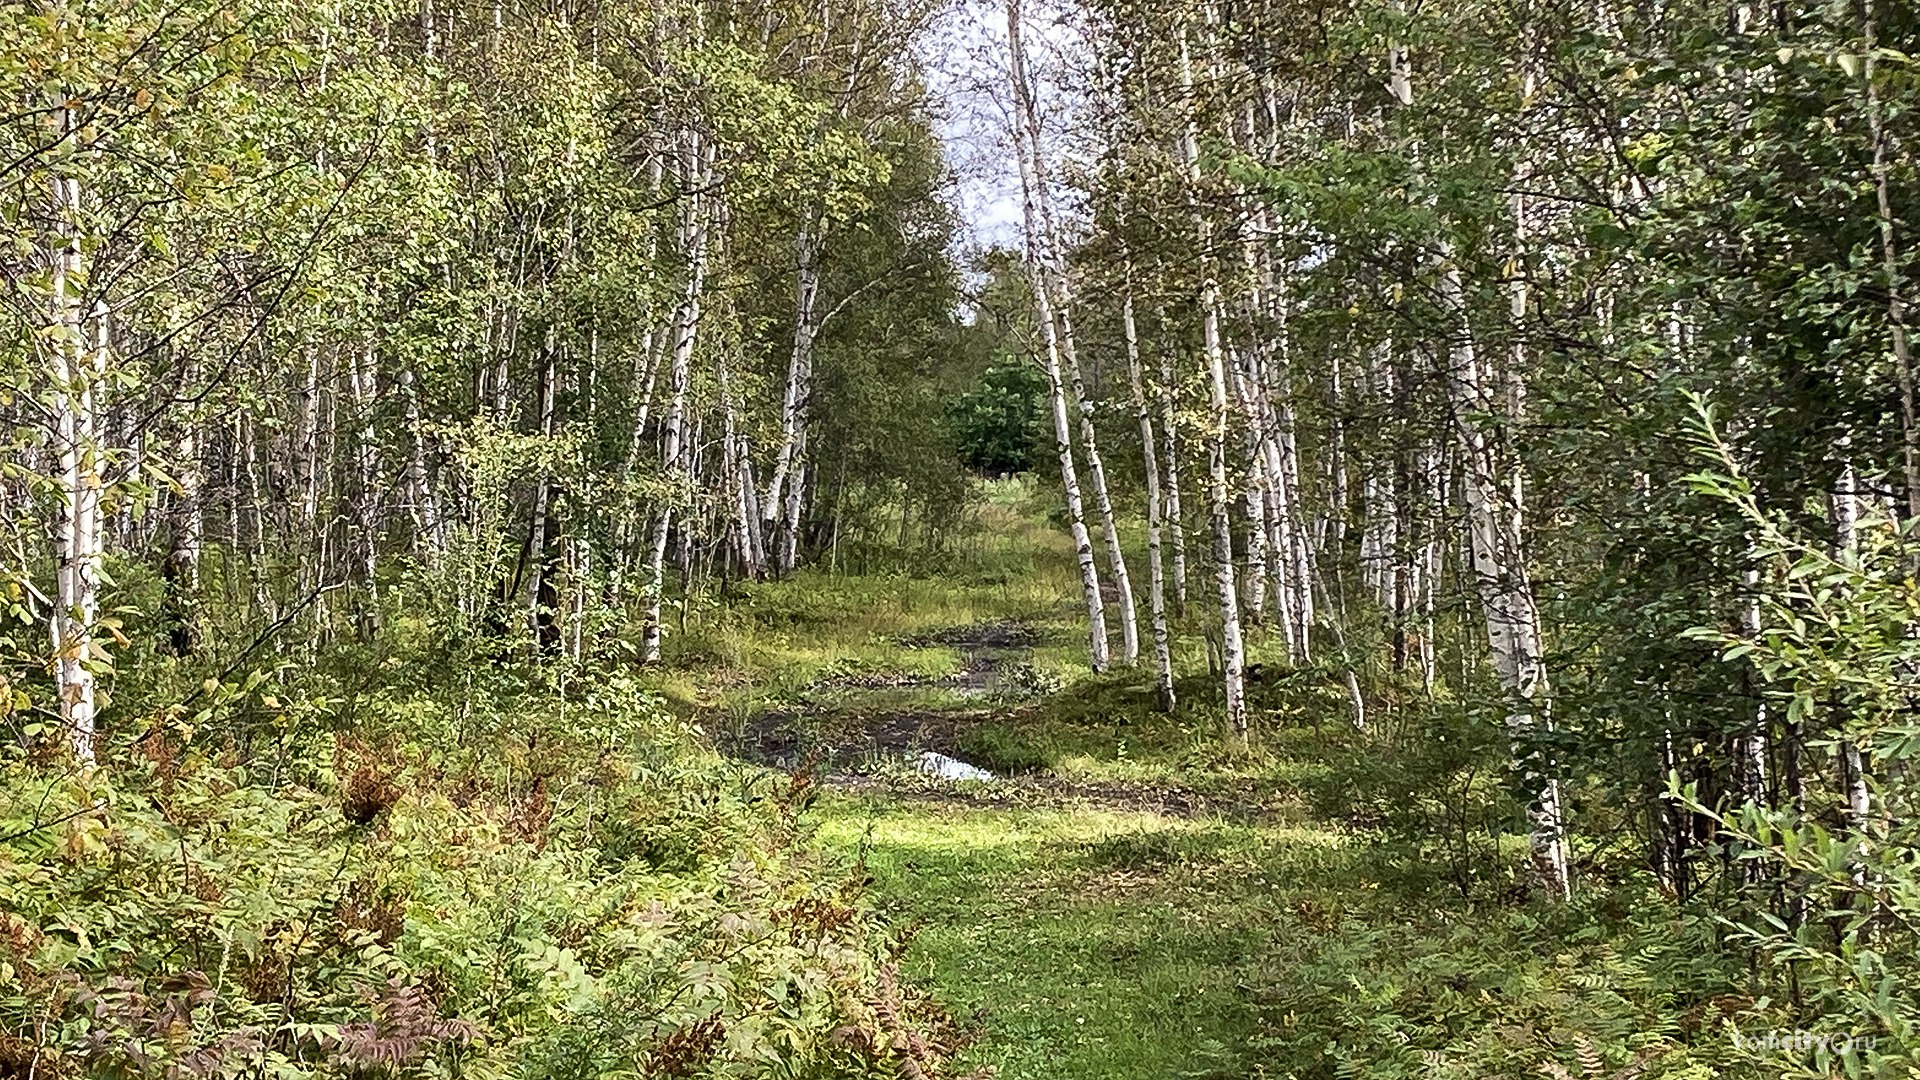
[{"x": 1082, "y": 942}]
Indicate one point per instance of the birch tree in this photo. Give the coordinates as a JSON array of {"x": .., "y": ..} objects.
[
  {"x": 1027, "y": 152},
  {"x": 1495, "y": 519},
  {"x": 1233, "y": 657}
]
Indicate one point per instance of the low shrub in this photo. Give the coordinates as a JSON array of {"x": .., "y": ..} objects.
[{"x": 582, "y": 892}]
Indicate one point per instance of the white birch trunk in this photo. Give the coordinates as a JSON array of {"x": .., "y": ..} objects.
[
  {"x": 1102, "y": 500},
  {"x": 1254, "y": 496},
  {"x": 1433, "y": 468},
  {"x": 1219, "y": 499},
  {"x": 1156, "y": 577},
  {"x": 1853, "y": 763},
  {"x": 181, "y": 572},
  {"x": 1495, "y": 520},
  {"x": 537, "y": 531},
  {"x": 1027, "y": 153},
  {"x": 252, "y": 496},
  {"x": 1176, "y": 521},
  {"x": 79, "y": 360},
  {"x": 646, "y": 360},
  {"x": 1053, "y": 275},
  {"x": 1379, "y": 499},
  {"x": 362, "y": 374},
  {"x": 1505, "y": 591},
  {"x": 686, "y": 326},
  {"x": 783, "y": 488}
]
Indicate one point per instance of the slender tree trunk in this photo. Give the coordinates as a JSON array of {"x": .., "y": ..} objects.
[
  {"x": 783, "y": 488},
  {"x": 540, "y": 592},
  {"x": 1294, "y": 540},
  {"x": 1505, "y": 591},
  {"x": 180, "y": 573},
  {"x": 420, "y": 495},
  {"x": 252, "y": 494},
  {"x": 79, "y": 361},
  {"x": 686, "y": 326},
  {"x": 79, "y": 344},
  {"x": 1102, "y": 500},
  {"x": 1853, "y": 763},
  {"x": 1890, "y": 266},
  {"x": 1053, "y": 279},
  {"x": 307, "y": 453},
  {"x": 646, "y": 359},
  {"x": 1254, "y": 497},
  {"x": 1030, "y": 180},
  {"x": 1156, "y": 578},
  {"x": 1432, "y": 557},
  {"x": 362, "y": 375},
  {"x": 1176, "y": 522},
  {"x": 1496, "y": 552},
  {"x": 1219, "y": 497},
  {"x": 1334, "y": 543}
]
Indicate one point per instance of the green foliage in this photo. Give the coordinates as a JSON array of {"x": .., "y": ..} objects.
[
  {"x": 998, "y": 425},
  {"x": 1576, "y": 992},
  {"x": 1833, "y": 649},
  {"x": 443, "y": 892}
]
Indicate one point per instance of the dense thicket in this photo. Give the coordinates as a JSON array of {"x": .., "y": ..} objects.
[
  {"x": 1540, "y": 373},
  {"x": 377, "y": 381},
  {"x": 535, "y": 315}
]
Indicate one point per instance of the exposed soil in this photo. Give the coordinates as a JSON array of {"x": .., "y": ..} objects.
[{"x": 857, "y": 741}]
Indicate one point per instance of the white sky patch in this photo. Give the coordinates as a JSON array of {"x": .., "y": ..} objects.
[{"x": 965, "y": 59}]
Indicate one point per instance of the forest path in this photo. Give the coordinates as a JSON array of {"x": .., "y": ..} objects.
[
  {"x": 1082, "y": 914},
  {"x": 867, "y": 733},
  {"x": 1128, "y": 898},
  {"x": 1131, "y": 898}
]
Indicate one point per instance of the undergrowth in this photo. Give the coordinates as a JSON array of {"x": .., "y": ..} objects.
[{"x": 507, "y": 883}]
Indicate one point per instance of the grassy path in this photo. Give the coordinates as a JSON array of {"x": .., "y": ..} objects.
[
  {"x": 1092, "y": 914},
  {"x": 1074, "y": 941},
  {"x": 1082, "y": 917},
  {"x": 1129, "y": 899}
]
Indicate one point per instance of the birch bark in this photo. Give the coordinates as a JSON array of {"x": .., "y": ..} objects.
[
  {"x": 79, "y": 345},
  {"x": 1053, "y": 276},
  {"x": 694, "y": 169},
  {"x": 1495, "y": 519},
  {"x": 1156, "y": 577},
  {"x": 1219, "y": 497},
  {"x": 1027, "y": 153},
  {"x": 1176, "y": 521},
  {"x": 181, "y": 572},
  {"x": 783, "y": 488}
]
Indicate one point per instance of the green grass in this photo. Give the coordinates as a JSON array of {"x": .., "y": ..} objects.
[
  {"x": 757, "y": 643},
  {"x": 1147, "y": 900},
  {"x": 1076, "y": 943},
  {"x": 1079, "y": 941}
]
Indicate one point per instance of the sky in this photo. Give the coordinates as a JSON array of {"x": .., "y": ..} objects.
[{"x": 964, "y": 56}]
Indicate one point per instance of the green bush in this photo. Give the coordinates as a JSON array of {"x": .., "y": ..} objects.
[{"x": 998, "y": 423}]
